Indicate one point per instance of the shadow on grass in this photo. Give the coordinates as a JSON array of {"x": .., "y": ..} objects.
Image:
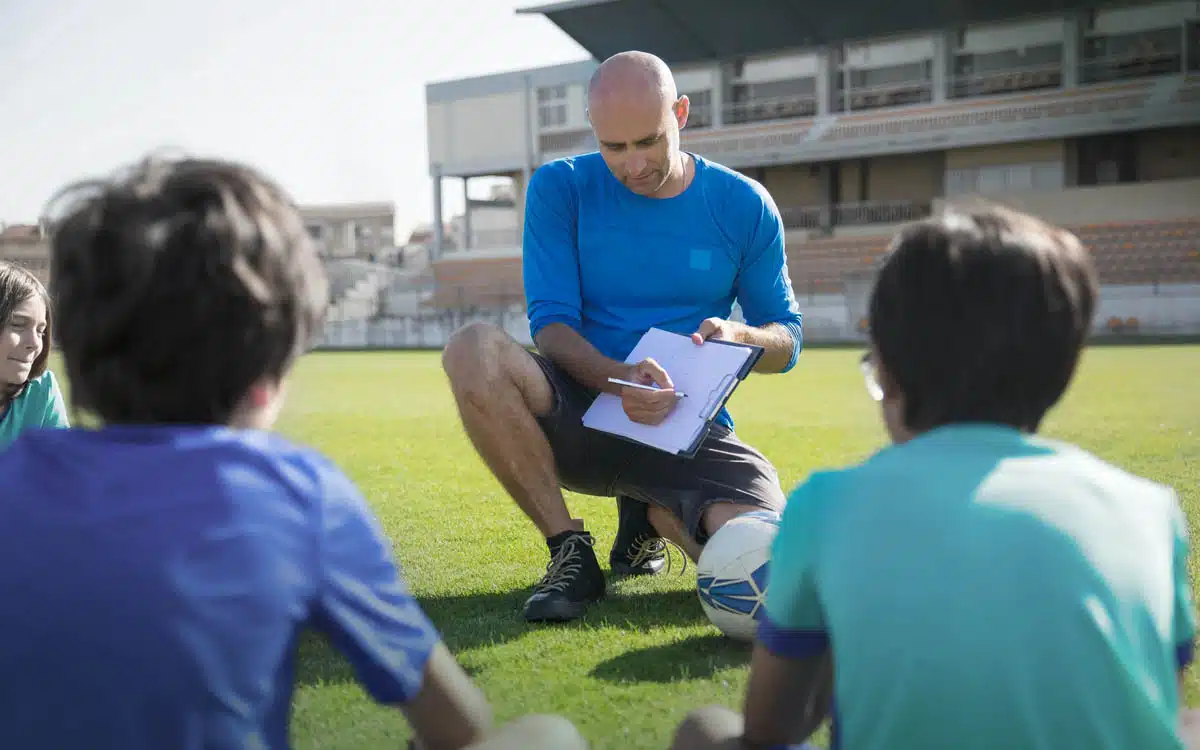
[
  {"x": 480, "y": 620},
  {"x": 698, "y": 657}
]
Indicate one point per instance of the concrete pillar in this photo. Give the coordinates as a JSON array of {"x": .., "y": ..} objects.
[
  {"x": 825, "y": 72},
  {"x": 717, "y": 97},
  {"x": 439, "y": 239},
  {"x": 943, "y": 69},
  {"x": 1072, "y": 47},
  {"x": 467, "y": 233}
]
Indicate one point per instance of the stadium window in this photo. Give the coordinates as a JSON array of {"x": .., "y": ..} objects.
[
  {"x": 1136, "y": 54},
  {"x": 700, "y": 113},
  {"x": 552, "y": 106},
  {"x": 773, "y": 100},
  {"x": 1005, "y": 71},
  {"x": 892, "y": 85}
]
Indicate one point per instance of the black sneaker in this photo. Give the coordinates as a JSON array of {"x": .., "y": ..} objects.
[
  {"x": 573, "y": 581},
  {"x": 638, "y": 549}
]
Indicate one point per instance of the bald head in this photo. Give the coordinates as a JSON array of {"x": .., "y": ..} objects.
[
  {"x": 636, "y": 114},
  {"x": 632, "y": 76}
]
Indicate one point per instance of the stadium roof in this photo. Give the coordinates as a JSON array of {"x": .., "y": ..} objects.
[{"x": 683, "y": 31}]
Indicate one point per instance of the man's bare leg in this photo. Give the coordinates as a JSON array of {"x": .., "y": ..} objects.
[
  {"x": 668, "y": 525},
  {"x": 499, "y": 390}
]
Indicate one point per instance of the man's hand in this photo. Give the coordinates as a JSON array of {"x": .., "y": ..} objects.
[
  {"x": 717, "y": 328},
  {"x": 648, "y": 407}
]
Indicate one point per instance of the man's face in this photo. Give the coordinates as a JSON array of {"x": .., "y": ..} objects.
[{"x": 639, "y": 138}]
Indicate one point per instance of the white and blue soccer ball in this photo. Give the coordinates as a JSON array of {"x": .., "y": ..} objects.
[{"x": 731, "y": 575}]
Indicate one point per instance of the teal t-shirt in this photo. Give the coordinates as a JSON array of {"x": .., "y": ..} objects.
[
  {"x": 39, "y": 405},
  {"x": 984, "y": 588}
]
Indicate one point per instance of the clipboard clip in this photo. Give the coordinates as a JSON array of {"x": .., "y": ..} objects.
[{"x": 717, "y": 397}]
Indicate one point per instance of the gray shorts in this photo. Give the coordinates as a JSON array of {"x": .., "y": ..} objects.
[{"x": 591, "y": 462}]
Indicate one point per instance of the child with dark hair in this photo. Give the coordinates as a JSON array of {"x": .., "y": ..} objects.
[
  {"x": 973, "y": 584},
  {"x": 157, "y": 572},
  {"x": 29, "y": 394}
]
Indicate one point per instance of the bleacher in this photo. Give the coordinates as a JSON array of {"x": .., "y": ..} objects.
[
  {"x": 477, "y": 284},
  {"x": 1146, "y": 252}
]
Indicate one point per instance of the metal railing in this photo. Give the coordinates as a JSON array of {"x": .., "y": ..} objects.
[
  {"x": 854, "y": 213},
  {"x": 1132, "y": 65},
  {"x": 772, "y": 108},
  {"x": 1027, "y": 78}
]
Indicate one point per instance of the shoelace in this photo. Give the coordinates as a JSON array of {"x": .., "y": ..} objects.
[
  {"x": 563, "y": 566},
  {"x": 646, "y": 547}
]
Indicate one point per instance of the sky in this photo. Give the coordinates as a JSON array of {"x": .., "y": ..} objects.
[{"x": 325, "y": 96}]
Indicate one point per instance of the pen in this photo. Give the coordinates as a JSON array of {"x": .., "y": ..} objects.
[{"x": 629, "y": 384}]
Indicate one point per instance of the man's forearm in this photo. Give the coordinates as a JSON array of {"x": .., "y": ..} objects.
[
  {"x": 777, "y": 344},
  {"x": 565, "y": 347}
]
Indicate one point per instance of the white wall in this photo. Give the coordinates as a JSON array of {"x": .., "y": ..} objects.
[
  {"x": 487, "y": 128},
  {"x": 1143, "y": 18},
  {"x": 882, "y": 54},
  {"x": 1169, "y": 310},
  {"x": 1017, "y": 35},
  {"x": 768, "y": 68}
]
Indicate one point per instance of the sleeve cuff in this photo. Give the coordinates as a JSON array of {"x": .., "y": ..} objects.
[
  {"x": 797, "y": 331},
  {"x": 536, "y": 325},
  {"x": 792, "y": 643},
  {"x": 1184, "y": 653}
]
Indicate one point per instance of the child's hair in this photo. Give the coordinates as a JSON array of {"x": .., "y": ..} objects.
[
  {"x": 17, "y": 285},
  {"x": 980, "y": 315},
  {"x": 179, "y": 284}
]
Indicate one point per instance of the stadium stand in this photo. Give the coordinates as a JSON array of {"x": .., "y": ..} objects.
[{"x": 1085, "y": 114}]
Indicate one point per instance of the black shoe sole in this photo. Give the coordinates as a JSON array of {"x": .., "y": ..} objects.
[
  {"x": 645, "y": 569},
  {"x": 558, "y": 610}
]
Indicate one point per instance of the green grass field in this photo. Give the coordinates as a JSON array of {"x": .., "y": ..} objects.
[{"x": 629, "y": 672}]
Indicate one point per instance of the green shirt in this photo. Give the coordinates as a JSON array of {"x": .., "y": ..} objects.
[{"x": 39, "y": 405}]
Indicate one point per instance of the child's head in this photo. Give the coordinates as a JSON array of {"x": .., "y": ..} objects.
[
  {"x": 979, "y": 316},
  {"x": 185, "y": 289},
  {"x": 24, "y": 329}
]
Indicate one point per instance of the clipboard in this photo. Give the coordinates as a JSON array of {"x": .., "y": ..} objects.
[{"x": 708, "y": 379}]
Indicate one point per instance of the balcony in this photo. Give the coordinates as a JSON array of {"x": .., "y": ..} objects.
[
  {"x": 769, "y": 109},
  {"x": 1142, "y": 54},
  {"x": 1010, "y": 81}
]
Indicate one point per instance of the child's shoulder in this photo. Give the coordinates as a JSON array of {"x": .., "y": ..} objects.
[
  {"x": 43, "y": 387},
  {"x": 300, "y": 464}
]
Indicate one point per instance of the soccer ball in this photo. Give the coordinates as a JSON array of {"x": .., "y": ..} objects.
[{"x": 731, "y": 575}]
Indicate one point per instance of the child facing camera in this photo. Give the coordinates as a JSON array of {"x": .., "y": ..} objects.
[
  {"x": 29, "y": 394},
  {"x": 156, "y": 572},
  {"x": 972, "y": 584}
]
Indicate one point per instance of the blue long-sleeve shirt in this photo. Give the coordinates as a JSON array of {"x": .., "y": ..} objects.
[{"x": 612, "y": 264}]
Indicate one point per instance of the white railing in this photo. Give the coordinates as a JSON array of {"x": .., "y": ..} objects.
[
  {"x": 767, "y": 109},
  {"x": 1027, "y": 78},
  {"x": 1132, "y": 65}
]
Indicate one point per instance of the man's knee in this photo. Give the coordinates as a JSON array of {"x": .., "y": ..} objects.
[
  {"x": 474, "y": 353},
  {"x": 720, "y": 513},
  {"x": 709, "y": 728}
]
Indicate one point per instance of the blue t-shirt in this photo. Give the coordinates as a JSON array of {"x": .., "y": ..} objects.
[
  {"x": 988, "y": 589},
  {"x": 39, "y": 405},
  {"x": 612, "y": 264},
  {"x": 155, "y": 581}
]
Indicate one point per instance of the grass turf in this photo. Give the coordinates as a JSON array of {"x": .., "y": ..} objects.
[{"x": 630, "y": 671}]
